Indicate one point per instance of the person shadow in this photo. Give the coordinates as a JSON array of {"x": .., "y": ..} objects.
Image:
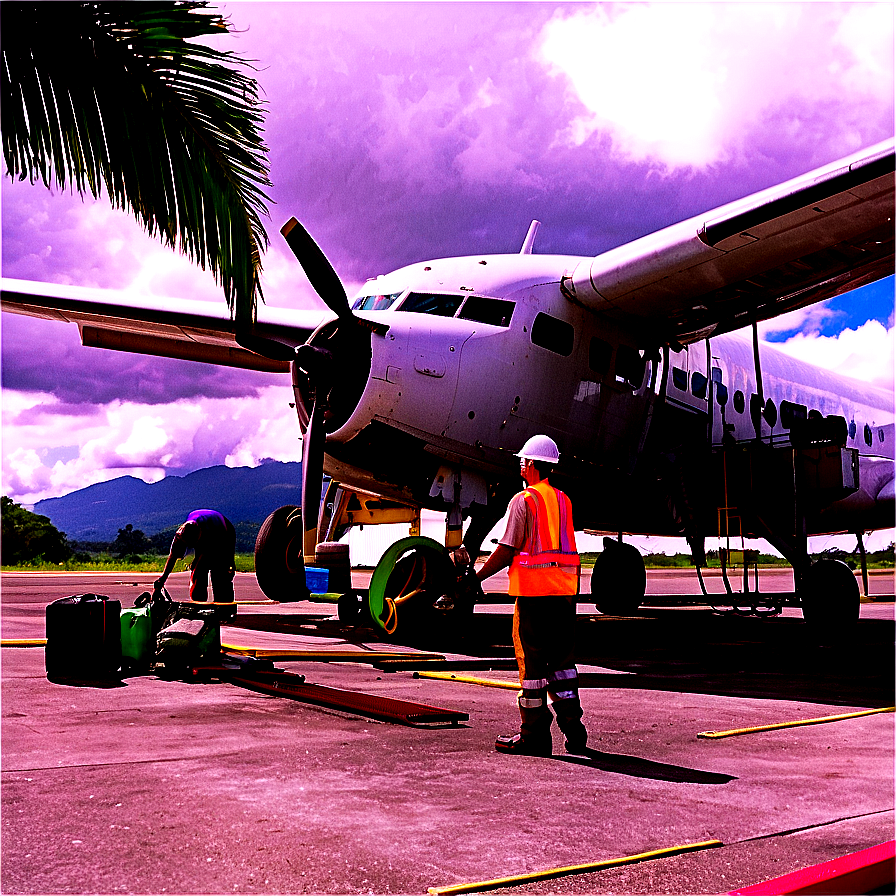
[{"x": 637, "y": 767}]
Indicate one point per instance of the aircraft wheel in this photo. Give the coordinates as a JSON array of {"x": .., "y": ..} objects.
[
  {"x": 619, "y": 579},
  {"x": 279, "y": 565},
  {"x": 409, "y": 578},
  {"x": 830, "y": 598}
]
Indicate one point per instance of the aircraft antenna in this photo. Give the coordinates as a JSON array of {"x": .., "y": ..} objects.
[{"x": 529, "y": 241}]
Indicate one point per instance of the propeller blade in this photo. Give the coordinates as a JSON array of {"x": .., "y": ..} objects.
[
  {"x": 317, "y": 268},
  {"x": 312, "y": 478}
]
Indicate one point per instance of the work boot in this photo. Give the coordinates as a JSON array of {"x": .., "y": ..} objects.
[
  {"x": 514, "y": 743},
  {"x": 569, "y": 718},
  {"x": 577, "y": 744}
]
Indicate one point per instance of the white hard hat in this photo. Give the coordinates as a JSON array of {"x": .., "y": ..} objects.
[{"x": 542, "y": 448}]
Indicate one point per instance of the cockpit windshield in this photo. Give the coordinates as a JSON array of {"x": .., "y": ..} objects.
[
  {"x": 375, "y": 303},
  {"x": 432, "y": 303},
  {"x": 496, "y": 312}
]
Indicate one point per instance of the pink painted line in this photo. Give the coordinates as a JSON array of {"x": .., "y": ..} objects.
[{"x": 859, "y": 872}]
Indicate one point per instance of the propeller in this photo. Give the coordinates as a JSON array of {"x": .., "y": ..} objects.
[
  {"x": 323, "y": 369},
  {"x": 317, "y": 269}
]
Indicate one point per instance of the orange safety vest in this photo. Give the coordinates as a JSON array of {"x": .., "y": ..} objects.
[{"x": 555, "y": 569}]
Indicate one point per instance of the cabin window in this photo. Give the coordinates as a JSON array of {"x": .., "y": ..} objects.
[
  {"x": 599, "y": 354},
  {"x": 629, "y": 366},
  {"x": 680, "y": 379},
  {"x": 432, "y": 303},
  {"x": 496, "y": 312},
  {"x": 553, "y": 334},
  {"x": 739, "y": 402},
  {"x": 717, "y": 374},
  {"x": 880, "y": 436},
  {"x": 770, "y": 412},
  {"x": 852, "y": 429},
  {"x": 868, "y": 436},
  {"x": 721, "y": 394},
  {"x": 375, "y": 303},
  {"x": 791, "y": 413},
  {"x": 698, "y": 385}
]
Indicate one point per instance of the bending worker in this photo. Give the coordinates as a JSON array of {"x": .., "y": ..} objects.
[
  {"x": 212, "y": 536},
  {"x": 539, "y": 547}
]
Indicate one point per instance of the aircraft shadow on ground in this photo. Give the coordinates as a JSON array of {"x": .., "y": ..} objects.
[{"x": 683, "y": 651}]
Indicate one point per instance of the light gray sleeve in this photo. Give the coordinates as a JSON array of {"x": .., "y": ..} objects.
[{"x": 515, "y": 529}]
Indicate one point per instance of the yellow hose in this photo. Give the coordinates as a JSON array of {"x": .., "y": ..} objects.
[
  {"x": 849, "y": 715},
  {"x": 571, "y": 869},
  {"x": 23, "y": 642},
  {"x": 485, "y": 682}
]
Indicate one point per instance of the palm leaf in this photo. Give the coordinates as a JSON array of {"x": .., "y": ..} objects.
[{"x": 121, "y": 95}]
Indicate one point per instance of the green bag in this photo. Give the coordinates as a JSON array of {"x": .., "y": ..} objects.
[
  {"x": 138, "y": 640},
  {"x": 140, "y": 627}
]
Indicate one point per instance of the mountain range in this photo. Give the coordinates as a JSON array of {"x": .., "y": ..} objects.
[{"x": 242, "y": 494}]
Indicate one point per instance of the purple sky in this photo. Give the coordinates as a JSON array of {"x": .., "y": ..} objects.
[{"x": 408, "y": 130}]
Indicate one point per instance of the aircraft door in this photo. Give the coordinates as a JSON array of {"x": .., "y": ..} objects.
[{"x": 624, "y": 409}]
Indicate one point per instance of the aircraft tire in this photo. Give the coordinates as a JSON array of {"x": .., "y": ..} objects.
[
  {"x": 279, "y": 564},
  {"x": 619, "y": 579},
  {"x": 830, "y": 598}
]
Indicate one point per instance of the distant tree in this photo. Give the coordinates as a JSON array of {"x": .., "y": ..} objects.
[
  {"x": 130, "y": 542},
  {"x": 160, "y": 543},
  {"x": 28, "y": 536},
  {"x": 124, "y": 95}
]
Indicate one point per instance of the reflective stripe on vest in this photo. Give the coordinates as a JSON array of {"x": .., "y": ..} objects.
[{"x": 555, "y": 569}]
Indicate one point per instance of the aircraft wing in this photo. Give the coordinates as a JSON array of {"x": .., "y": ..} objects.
[
  {"x": 814, "y": 237},
  {"x": 172, "y": 328}
]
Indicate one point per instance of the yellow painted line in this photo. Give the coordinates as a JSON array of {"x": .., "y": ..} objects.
[
  {"x": 350, "y": 655},
  {"x": 849, "y": 715},
  {"x": 485, "y": 682},
  {"x": 571, "y": 869},
  {"x": 23, "y": 642}
]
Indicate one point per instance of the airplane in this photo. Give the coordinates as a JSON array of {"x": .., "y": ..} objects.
[{"x": 642, "y": 363}]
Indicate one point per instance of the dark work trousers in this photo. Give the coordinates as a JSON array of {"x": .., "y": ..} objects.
[
  {"x": 543, "y": 640},
  {"x": 215, "y": 560}
]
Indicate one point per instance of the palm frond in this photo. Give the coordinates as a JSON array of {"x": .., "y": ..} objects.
[{"x": 121, "y": 95}]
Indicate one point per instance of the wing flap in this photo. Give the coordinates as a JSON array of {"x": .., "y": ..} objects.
[
  {"x": 173, "y": 328},
  {"x": 809, "y": 239},
  {"x": 208, "y": 353}
]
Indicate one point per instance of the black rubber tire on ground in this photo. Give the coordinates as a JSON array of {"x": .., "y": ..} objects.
[
  {"x": 349, "y": 607},
  {"x": 279, "y": 567},
  {"x": 619, "y": 579},
  {"x": 830, "y": 598}
]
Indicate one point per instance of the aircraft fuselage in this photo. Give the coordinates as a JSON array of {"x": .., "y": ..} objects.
[{"x": 471, "y": 356}]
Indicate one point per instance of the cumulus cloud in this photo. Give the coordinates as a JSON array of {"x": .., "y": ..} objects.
[
  {"x": 127, "y": 438},
  {"x": 865, "y": 353},
  {"x": 686, "y": 85}
]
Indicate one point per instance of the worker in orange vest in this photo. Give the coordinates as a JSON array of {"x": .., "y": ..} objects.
[{"x": 539, "y": 546}]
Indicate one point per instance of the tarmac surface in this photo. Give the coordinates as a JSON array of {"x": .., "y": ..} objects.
[{"x": 155, "y": 786}]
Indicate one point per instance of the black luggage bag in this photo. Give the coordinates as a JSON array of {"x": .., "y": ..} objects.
[{"x": 83, "y": 638}]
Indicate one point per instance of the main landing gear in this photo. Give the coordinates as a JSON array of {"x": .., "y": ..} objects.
[{"x": 619, "y": 579}]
